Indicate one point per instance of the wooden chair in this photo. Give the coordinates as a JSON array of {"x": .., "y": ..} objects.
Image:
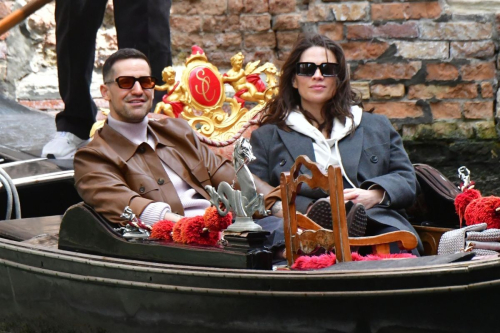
[{"x": 313, "y": 235}]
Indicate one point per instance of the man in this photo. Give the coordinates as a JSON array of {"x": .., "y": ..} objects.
[
  {"x": 158, "y": 168},
  {"x": 143, "y": 25}
]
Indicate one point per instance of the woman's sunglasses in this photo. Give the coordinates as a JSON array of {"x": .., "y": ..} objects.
[
  {"x": 127, "y": 82},
  {"x": 326, "y": 68}
]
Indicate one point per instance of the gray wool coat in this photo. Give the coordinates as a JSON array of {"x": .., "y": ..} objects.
[{"x": 374, "y": 154}]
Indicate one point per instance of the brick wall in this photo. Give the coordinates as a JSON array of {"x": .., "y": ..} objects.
[
  {"x": 430, "y": 70},
  {"x": 430, "y": 66}
]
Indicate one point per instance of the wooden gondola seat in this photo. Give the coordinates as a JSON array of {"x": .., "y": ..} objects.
[
  {"x": 297, "y": 239},
  {"x": 84, "y": 230}
]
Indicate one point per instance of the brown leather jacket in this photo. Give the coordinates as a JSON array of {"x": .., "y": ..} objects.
[{"x": 111, "y": 172}]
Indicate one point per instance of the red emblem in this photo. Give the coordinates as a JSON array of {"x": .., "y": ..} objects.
[{"x": 205, "y": 86}]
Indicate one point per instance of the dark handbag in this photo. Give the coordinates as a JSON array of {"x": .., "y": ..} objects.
[{"x": 435, "y": 199}]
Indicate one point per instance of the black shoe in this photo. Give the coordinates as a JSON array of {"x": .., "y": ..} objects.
[
  {"x": 320, "y": 212},
  {"x": 357, "y": 220}
]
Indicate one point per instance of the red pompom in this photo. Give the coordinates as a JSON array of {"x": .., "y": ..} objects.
[
  {"x": 463, "y": 199},
  {"x": 177, "y": 230},
  {"x": 195, "y": 232},
  {"x": 483, "y": 210},
  {"x": 214, "y": 221},
  {"x": 315, "y": 262},
  {"x": 304, "y": 263},
  {"x": 162, "y": 230}
]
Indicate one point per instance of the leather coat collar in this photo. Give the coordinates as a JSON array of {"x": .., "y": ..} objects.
[{"x": 126, "y": 148}]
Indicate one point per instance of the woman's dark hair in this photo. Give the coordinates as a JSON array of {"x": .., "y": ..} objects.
[{"x": 288, "y": 98}]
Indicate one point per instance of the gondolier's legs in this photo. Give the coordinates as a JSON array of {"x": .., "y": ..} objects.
[
  {"x": 77, "y": 22},
  {"x": 143, "y": 25}
]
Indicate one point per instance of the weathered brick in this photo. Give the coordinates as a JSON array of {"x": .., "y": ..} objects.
[
  {"x": 257, "y": 22},
  {"x": 480, "y": 49},
  {"x": 256, "y": 6},
  {"x": 422, "y": 50},
  {"x": 485, "y": 129},
  {"x": 383, "y": 91},
  {"x": 478, "y": 110},
  {"x": 287, "y": 22},
  {"x": 235, "y": 6},
  {"x": 445, "y": 130},
  {"x": 334, "y": 31},
  {"x": 455, "y": 30},
  {"x": 229, "y": 41},
  {"x": 50, "y": 39},
  {"x": 405, "y": 11},
  {"x": 4, "y": 10},
  {"x": 446, "y": 110},
  {"x": 207, "y": 41},
  {"x": 437, "y": 130},
  {"x": 221, "y": 23},
  {"x": 395, "y": 110},
  {"x": 4, "y": 36},
  {"x": 266, "y": 55},
  {"x": 463, "y": 90},
  {"x": 487, "y": 90},
  {"x": 220, "y": 58},
  {"x": 350, "y": 11},
  {"x": 42, "y": 105},
  {"x": 318, "y": 13},
  {"x": 376, "y": 71},
  {"x": 441, "y": 72},
  {"x": 397, "y": 30},
  {"x": 184, "y": 41},
  {"x": 361, "y": 88},
  {"x": 286, "y": 39},
  {"x": 182, "y": 8},
  {"x": 205, "y": 7},
  {"x": 281, "y": 6},
  {"x": 260, "y": 40},
  {"x": 389, "y": 30},
  {"x": 185, "y": 23},
  {"x": 360, "y": 31},
  {"x": 478, "y": 71},
  {"x": 3, "y": 50},
  {"x": 364, "y": 50}
]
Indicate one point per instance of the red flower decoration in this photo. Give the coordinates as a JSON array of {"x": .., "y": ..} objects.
[
  {"x": 214, "y": 221},
  {"x": 162, "y": 230},
  {"x": 483, "y": 210},
  {"x": 463, "y": 199},
  {"x": 177, "y": 230},
  {"x": 195, "y": 232}
]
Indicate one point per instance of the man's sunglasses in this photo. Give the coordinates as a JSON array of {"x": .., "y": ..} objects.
[
  {"x": 326, "y": 68},
  {"x": 127, "y": 82}
]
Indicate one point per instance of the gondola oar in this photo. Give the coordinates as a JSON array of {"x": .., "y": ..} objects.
[{"x": 20, "y": 14}]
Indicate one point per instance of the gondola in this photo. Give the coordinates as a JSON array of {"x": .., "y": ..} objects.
[{"x": 95, "y": 281}]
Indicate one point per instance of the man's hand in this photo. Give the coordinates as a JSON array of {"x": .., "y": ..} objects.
[
  {"x": 172, "y": 217},
  {"x": 277, "y": 209},
  {"x": 368, "y": 198}
]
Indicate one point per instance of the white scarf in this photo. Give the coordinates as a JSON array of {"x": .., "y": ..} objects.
[{"x": 325, "y": 150}]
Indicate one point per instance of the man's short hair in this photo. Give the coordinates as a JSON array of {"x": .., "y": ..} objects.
[{"x": 122, "y": 54}]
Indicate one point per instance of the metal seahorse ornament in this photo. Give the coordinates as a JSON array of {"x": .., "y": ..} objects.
[{"x": 245, "y": 202}]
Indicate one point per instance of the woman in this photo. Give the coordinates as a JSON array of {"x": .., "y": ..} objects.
[{"x": 315, "y": 114}]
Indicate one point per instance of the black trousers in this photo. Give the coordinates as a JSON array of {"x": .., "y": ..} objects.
[{"x": 140, "y": 24}]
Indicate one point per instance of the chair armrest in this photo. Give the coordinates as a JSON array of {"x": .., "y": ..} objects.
[
  {"x": 406, "y": 240},
  {"x": 306, "y": 223}
]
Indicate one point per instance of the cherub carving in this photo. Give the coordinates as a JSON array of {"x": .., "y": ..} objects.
[
  {"x": 246, "y": 82},
  {"x": 176, "y": 98}
]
